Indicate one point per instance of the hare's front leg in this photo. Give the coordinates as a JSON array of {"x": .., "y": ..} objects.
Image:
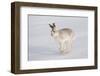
[
  {"x": 61, "y": 47},
  {"x": 67, "y": 46}
]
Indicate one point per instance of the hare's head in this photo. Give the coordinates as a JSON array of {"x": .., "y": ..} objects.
[{"x": 53, "y": 27}]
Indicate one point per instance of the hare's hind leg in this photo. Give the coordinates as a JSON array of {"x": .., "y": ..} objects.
[{"x": 69, "y": 45}]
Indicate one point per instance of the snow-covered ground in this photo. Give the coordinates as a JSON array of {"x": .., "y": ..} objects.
[{"x": 43, "y": 47}]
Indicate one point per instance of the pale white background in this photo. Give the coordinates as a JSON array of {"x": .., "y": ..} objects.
[{"x": 5, "y": 30}]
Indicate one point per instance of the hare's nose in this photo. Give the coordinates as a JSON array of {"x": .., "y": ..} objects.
[{"x": 51, "y": 34}]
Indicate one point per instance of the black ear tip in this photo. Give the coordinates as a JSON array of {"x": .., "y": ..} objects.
[
  {"x": 53, "y": 24},
  {"x": 49, "y": 24}
]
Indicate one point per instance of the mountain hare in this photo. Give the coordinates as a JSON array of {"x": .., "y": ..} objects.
[{"x": 63, "y": 36}]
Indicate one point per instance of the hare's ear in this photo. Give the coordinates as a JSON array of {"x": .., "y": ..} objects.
[
  {"x": 50, "y": 25},
  {"x": 54, "y": 24}
]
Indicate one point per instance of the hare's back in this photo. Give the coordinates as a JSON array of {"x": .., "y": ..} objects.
[{"x": 66, "y": 31}]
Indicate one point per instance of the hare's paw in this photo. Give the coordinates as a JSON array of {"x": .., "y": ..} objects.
[
  {"x": 61, "y": 50},
  {"x": 64, "y": 52}
]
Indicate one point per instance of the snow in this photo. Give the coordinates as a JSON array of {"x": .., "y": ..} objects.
[{"x": 43, "y": 47}]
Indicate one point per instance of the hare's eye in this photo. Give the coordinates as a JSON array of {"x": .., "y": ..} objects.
[{"x": 53, "y": 31}]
